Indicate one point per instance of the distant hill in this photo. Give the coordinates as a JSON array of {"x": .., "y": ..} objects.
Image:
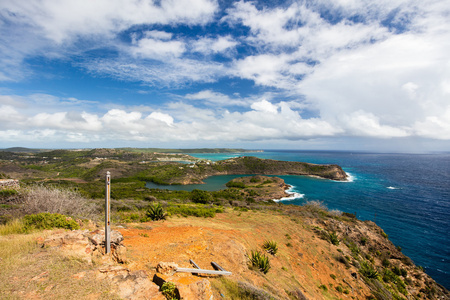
[
  {"x": 198, "y": 150},
  {"x": 23, "y": 150}
]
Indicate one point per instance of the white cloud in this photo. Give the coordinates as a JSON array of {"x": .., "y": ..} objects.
[
  {"x": 165, "y": 118},
  {"x": 157, "y": 49},
  {"x": 64, "y": 20},
  {"x": 214, "y": 45},
  {"x": 349, "y": 68},
  {"x": 264, "y": 106},
  {"x": 173, "y": 72},
  {"x": 216, "y": 99}
]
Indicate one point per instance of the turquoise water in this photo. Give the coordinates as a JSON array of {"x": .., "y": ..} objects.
[{"x": 407, "y": 195}]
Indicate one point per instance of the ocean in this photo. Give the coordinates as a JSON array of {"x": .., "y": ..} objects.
[{"x": 408, "y": 195}]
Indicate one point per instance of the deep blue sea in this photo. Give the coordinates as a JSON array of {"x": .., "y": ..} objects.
[{"x": 408, "y": 195}]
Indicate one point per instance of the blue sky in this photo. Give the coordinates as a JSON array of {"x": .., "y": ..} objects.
[{"x": 339, "y": 75}]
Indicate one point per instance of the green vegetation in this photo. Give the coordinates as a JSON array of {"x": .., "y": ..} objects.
[
  {"x": 194, "y": 210},
  {"x": 155, "y": 212},
  {"x": 235, "y": 184},
  {"x": 367, "y": 270},
  {"x": 271, "y": 247},
  {"x": 260, "y": 261},
  {"x": 202, "y": 197},
  {"x": 49, "y": 221},
  {"x": 333, "y": 238},
  {"x": 4, "y": 193},
  {"x": 169, "y": 290}
]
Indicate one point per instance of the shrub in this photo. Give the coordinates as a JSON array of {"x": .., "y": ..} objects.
[
  {"x": 235, "y": 184},
  {"x": 169, "y": 290},
  {"x": 260, "y": 261},
  {"x": 199, "y": 196},
  {"x": 389, "y": 276},
  {"x": 50, "y": 199},
  {"x": 385, "y": 262},
  {"x": 155, "y": 212},
  {"x": 368, "y": 270},
  {"x": 255, "y": 179},
  {"x": 363, "y": 241},
  {"x": 271, "y": 247},
  {"x": 333, "y": 238},
  {"x": 49, "y": 221},
  {"x": 323, "y": 287}
]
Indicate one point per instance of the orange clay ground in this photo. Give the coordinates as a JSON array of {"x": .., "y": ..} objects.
[{"x": 303, "y": 262}]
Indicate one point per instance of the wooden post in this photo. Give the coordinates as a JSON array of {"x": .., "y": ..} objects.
[{"x": 107, "y": 213}]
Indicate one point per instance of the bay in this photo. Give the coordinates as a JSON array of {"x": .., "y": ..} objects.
[{"x": 408, "y": 195}]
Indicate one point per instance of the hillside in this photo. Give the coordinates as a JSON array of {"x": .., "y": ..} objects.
[{"x": 321, "y": 255}]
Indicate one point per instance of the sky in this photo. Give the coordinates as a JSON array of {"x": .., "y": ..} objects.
[{"x": 315, "y": 74}]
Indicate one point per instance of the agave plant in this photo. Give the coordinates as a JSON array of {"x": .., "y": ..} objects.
[
  {"x": 271, "y": 247},
  {"x": 260, "y": 261},
  {"x": 156, "y": 212}
]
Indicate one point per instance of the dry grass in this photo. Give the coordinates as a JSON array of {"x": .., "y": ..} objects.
[
  {"x": 31, "y": 272},
  {"x": 16, "y": 226}
]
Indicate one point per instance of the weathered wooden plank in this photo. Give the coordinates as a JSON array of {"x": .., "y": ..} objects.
[
  {"x": 203, "y": 271},
  {"x": 216, "y": 266},
  {"x": 195, "y": 265}
]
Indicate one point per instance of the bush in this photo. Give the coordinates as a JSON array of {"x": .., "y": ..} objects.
[
  {"x": 155, "y": 212},
  {"x": 50, "y": 199},
  {"x": 199, "y": 196},
  {"x": 235, "y": 184},
  {"x": 367, "y": 270},
  {"x": 333, "y": 238},
  {"x": 260, "y": 261},
  {"x": 363, "y": 241},
  {"x": 169, "y": 290},
  {"x": 49, "y": 221},
  {"x": 271, "y": 247}
]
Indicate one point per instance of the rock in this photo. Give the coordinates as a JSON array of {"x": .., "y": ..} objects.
[
  {"x": 189, "y": 287},
  {"x": 73, "y": 243},
  {"x": 88, "y": 245},
  {"x": 166, "y": 268},
  {"x": 130, "y": 285},
  {"x": 97, "y": 237}
]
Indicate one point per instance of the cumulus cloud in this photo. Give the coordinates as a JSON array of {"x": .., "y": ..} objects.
[{"x": 342, "y": 68}]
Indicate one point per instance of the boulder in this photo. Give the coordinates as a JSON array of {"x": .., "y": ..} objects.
[
  {"x": 189, "y": 287},
  {"x": 130, "y": 284},
  {"x": 86, "y": 244},
  {"x": 166, "y": 268}
]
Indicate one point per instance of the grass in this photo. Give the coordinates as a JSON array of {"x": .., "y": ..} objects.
[
  {"x": 15, "y": 226},
  {"x": 29, "y": 271},
  {"x": 199, "y": 210},
  {"x": 233, "y": 290}
]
